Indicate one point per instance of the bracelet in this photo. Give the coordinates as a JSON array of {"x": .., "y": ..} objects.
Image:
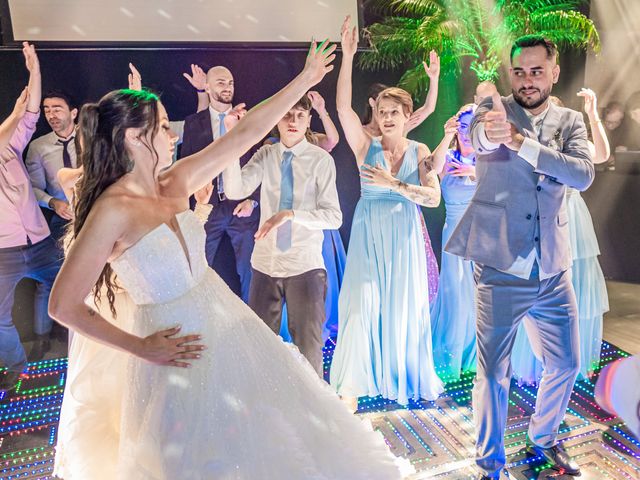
[
  {"x": 200, "y": 91},
  {"x": 595, "y": 121},
  {"x": 202, "y": 211}
]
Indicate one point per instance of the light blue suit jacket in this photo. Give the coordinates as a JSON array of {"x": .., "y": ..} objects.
[{"x": 517, "y": 208}]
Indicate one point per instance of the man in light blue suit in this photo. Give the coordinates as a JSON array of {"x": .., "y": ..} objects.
[{"x": 515, "y": 230}]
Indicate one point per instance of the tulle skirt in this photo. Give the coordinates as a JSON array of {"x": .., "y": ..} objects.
[{"x": 251, "y": 407}]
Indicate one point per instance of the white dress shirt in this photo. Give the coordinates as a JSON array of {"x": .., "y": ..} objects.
[
  {"x": 178, "y": 128},
  {"x": 44, "y": 160},
  {"x": 215, "y": 121},
  {"x": 529, "y": 151},
  {"x": 315, "y": 205}
]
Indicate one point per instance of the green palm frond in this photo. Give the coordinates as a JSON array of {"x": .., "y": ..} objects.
[
  {"x": 435, "y": 33},
  {"x": 481, "y": 30},
  {"x": 487, "y": 69},
  {"x": 566, "y": 29},
  {"x": 415, "y": 81},
  {"x": 392, "y": 42},
  {"x": 545, "y": 5},
  {"x": 414, "y": 8},
  {"x": 515, "y": 16}
]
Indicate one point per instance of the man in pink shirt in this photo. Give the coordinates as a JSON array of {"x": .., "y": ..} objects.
[{"x": 26, "y": 247}]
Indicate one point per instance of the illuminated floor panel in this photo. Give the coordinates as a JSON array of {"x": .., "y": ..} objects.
[{"x": 437, "y": 437}]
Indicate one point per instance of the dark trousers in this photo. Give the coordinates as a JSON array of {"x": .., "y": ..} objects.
[
  {"x": 41, "y": 263},
  {"x": 58, "y": 227},
  {"x": 241, "y": 231},
  {"x": 305, "y": 296}
]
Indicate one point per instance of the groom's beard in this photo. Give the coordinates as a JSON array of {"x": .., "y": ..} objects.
[{"x": 528, "y": 103}]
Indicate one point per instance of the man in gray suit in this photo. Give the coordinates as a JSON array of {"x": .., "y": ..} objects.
[{"x": 515, "y": 230}]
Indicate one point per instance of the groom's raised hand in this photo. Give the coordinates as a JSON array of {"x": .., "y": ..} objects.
[{"x": 497, "y": 129}]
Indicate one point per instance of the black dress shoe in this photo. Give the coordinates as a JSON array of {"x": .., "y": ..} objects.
[
  {"x": 9, "y": 381},
  {"x": 557, "y": 457}
]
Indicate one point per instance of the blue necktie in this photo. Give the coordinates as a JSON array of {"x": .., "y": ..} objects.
[
  {"x": 283, "y": 235},
  {"x": 221, "y": 131}
]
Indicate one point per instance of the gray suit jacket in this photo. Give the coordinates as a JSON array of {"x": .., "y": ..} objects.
[{"x": 515, "y": 206}]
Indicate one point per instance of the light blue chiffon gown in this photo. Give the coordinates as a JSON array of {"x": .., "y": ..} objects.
[
  {"x": 384, "y": 336},
  {"x": 591, "y": 295},
  {"x": 453, "y": 316}
]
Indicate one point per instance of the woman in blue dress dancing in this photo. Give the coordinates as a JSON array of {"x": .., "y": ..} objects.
[
  {"x": 453, "y": 317},
  {"x": 384, "y": 337}
]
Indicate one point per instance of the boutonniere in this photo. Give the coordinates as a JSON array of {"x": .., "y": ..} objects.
[{"x": 556, "y": 141}]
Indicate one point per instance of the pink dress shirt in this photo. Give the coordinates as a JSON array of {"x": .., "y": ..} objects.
[{"x": 20, "y": 215}]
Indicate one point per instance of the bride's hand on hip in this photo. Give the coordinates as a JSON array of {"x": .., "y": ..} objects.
[{"x": 164, "y": 348}]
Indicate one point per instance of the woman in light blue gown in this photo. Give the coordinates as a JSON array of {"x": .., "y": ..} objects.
[
  {"x": 453, "y": 317},
  {"x": 370, "y": 125},
  {"x": 587, "y": 277},
  {"x": 384, "y": 337}
]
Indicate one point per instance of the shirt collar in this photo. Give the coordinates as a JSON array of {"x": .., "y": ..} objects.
[
  {"x": 55, "y": 138},
  {"x": 297, "y": 149},
  {"x": 215, "y": 112},
  {"x": 539, "y": 117}
]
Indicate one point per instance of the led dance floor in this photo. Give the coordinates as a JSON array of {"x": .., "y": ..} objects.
[{"x": 437, "y": 437}]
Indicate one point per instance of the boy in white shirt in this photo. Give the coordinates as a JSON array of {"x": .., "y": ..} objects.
[{"x": 299, "y": 200}]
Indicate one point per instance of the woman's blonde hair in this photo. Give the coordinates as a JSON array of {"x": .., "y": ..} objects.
[{"x": 397, "y": 95}]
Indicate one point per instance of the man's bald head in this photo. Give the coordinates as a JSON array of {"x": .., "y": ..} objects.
[
  {"x": 483, "y": 90},
  {"x": 221, "y": 88}
]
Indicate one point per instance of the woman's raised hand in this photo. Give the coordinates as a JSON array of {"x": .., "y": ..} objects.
[{"x": 349, "y": 41}]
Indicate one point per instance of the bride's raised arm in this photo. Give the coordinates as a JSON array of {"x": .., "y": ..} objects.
[{"x": 195, "y": 171}]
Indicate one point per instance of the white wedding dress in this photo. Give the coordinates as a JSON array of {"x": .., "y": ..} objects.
[{"x": 250, "y": 408}]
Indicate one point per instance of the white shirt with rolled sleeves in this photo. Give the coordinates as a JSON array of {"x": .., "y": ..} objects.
[
  {"x": 315, "y": 205},
  {"x": 43, "y": 161}
]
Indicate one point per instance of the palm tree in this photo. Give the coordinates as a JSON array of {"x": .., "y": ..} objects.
[{"x": 480, "y": 30}]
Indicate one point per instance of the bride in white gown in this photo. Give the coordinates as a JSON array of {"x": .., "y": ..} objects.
[{"x": 243, "y": 407}]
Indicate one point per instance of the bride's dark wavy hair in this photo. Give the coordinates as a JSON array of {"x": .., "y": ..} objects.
[{"x": 105, "y": 159}]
